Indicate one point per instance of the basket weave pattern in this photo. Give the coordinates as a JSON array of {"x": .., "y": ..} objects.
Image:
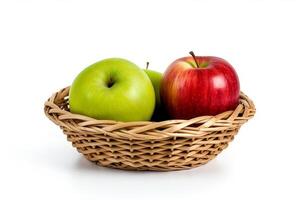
[{"x": 160, "y": 146}]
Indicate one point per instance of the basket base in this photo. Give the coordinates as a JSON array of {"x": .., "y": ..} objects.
[{"x": 131, "y": 165}]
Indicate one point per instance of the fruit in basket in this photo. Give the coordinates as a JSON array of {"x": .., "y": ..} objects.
[
  {"x": 199, "y": 85},
  {"x": 113, "y": 89},
  {"x": 156, "y": 77}
]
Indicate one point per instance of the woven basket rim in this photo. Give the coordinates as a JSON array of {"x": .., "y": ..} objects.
[{"x": 151, "y": 130}]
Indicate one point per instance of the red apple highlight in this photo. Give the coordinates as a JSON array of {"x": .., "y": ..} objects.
[{"x": 199, "y": 85}]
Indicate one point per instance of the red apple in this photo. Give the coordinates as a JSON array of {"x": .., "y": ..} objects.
[{"x": 199, "y": 85}]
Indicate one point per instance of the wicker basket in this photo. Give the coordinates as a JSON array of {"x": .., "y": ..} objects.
[{"x": 159, "y": 146}]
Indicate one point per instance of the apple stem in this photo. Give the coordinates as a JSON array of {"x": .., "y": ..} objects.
[
  {"x": 147, "y": 65},
  {"x": 193, "y": 55}
]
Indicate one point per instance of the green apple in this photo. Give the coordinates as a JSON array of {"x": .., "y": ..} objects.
[
  {"x": 155, "y": 78},
  {"x": 159, "y": 112},
  {"x": 113, "y": 89}
]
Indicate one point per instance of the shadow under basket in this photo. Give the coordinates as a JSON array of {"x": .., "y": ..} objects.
[{"x": 158, "y": 146}]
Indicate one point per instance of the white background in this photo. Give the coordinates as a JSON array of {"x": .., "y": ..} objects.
[{"x": 45, "y": 44}]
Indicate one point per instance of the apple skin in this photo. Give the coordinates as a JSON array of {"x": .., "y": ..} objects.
[
  {"x": 159, "y": 112},
  {"x": 203, "y": 85},
  {"x": 113, "y": 89},
  {"x": 155, "y": 78}
]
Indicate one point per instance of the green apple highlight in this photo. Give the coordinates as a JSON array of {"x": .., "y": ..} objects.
[{"x": 113, "y": 89}]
